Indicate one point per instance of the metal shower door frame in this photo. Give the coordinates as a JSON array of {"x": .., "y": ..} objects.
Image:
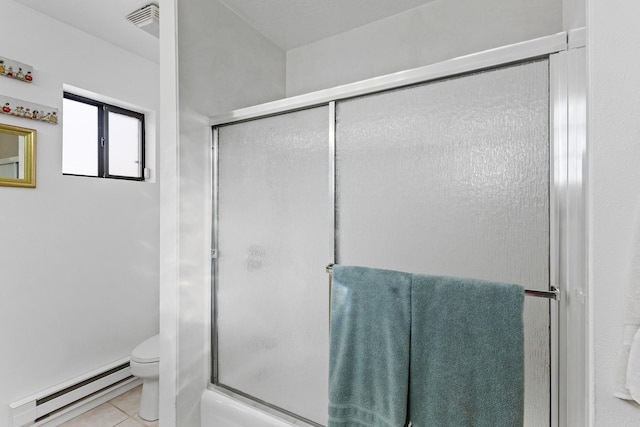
[{"x": 567, "y": 192}]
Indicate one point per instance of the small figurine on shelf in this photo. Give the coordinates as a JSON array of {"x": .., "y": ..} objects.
[
  {"x": 28, "y": 77},
  {"x": 34, "y": 115},
  {"x": 53, "y": 118},
  {"x": 1, "y": 66},
  {"x": 10, "y": 71},
  {"x": 6, "y": 109},
  {"x": 20, "y": 74}
]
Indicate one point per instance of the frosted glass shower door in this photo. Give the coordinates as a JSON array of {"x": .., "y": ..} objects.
[
  {"x": 452, "y": 178},
  {"x": 273, "y": 241}
]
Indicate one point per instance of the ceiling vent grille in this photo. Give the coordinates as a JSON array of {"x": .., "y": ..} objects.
[{"x": 147, "y": 18}]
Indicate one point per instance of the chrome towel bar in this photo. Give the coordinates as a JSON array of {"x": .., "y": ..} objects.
[{"x": 553, "y": 294}]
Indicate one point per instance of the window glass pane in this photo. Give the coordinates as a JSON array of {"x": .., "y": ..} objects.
[
  {"x": 124, "y": 146},
  {"x": 79, "y": 138}
]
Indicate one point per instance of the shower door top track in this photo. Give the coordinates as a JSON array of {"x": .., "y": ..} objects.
[{"x": 529, "y": 50}]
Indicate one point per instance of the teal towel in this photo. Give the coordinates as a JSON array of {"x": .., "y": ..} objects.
[
  {"x": 466, "y": 353},
  {"x": 369, "y": 343}
]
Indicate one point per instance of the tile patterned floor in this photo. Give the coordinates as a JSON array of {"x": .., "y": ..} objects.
[{"x": 121, "y": 411}]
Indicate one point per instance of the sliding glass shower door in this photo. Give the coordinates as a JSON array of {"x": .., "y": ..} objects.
[
  {"x": 273, "y": 244},
  {"x": 449, "y": 177},
  {"x": 452, "y": 178}
]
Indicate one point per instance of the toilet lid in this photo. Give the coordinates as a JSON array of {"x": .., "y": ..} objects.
[{"x": 148, "y": 351}]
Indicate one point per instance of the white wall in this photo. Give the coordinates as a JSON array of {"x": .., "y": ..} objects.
[
  {"x": 221, "y": 64},
  {"x": 432, "y": 33},
  {"x": 79, "y": 259},
  {"x": 614, "y": 207}
]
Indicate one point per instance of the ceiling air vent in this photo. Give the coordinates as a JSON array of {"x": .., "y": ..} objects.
[{"x": 147, "y": 18}]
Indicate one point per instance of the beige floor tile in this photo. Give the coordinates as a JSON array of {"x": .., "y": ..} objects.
[
  {"x": 105, "y": 415},
  {"x": 129, "y": 422},
  {"x": 128, "y": 402},
  {"x": 145, "y": 422}
]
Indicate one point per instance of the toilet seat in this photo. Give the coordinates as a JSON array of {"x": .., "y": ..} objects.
[{"x": 148, "y": 351}]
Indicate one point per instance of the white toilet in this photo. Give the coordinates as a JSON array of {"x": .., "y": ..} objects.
[{"x": 145, "y": 365}]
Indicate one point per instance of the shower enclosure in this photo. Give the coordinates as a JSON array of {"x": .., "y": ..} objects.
[{"x": 456, "y": 171}]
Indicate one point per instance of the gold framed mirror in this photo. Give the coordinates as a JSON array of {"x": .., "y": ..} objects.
[{"x": 17, "y": 156}]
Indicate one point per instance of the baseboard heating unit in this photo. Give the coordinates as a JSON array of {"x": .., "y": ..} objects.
[{"x": 73, "y": 397}]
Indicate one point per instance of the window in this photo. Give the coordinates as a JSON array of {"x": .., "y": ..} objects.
[{"x": 101, "y": 140}]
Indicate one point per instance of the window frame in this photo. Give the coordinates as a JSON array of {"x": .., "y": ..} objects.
[{"x": 102, "y": 138}]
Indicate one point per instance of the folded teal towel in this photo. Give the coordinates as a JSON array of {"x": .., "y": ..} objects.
[
  {"x": 466, "y": 353},
  {"x": 369, "y": 343}
]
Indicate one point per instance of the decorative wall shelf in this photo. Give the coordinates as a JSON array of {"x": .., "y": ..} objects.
[
  {"x": 16, "y": 70},
  {"x": 28, "y": 110}
]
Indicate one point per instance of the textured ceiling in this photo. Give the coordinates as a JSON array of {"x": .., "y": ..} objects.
[{"x": 287, "y": 23}]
